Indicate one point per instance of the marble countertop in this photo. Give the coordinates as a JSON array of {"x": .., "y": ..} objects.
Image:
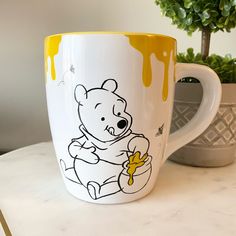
[{"x": 186, "y": 201}]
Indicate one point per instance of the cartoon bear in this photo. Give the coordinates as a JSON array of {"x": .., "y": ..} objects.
[{"x": 108, "y": 157}]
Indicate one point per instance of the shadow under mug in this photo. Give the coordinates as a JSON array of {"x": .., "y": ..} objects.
[{"x": 110, "y": 98}]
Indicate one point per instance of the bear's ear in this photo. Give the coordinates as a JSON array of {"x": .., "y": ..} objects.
[
  {"x": 110, "y": 85},
  {"x": 80, "y": 94}
]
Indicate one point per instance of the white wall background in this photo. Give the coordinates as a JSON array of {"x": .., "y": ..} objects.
[{"x": 23, "y": 26}]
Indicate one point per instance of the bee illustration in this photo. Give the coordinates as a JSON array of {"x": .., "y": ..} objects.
[
  {"x": 160, "y": 130},
  {"x": 72, "y": 70}
]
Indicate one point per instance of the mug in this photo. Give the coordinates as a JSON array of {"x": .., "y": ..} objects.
[{"x": 110, "y": 98}]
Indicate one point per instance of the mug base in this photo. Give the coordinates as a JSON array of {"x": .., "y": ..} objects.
[{"x": 118, "y": 198}]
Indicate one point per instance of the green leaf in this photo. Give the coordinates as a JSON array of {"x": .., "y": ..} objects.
[
  {"x": 205, "y": 14},
  {"x": 227, "y": 6},
  {"x": 206, "y": 22},
  {"x": 192, "y": 28},
  {"x": 189, "y": 20},
  {"x": 214, "y": 13},
  {"x": 188, "y": 3},
  {"x": 196, "y": 7},
  {"x": 198, "y": 57},
  {"x": 227, "y": 20},
  {"x": 170, "y": 13},
  {"x": 190, "y": 54},
  {"x": 212, "y": 26},
  {"x": 233, "y": 2},
  {"x": 225, "y": 13},
  {"x": 181, "y": 13},
  {"x": 233, "y": 17},
  {"x": 222, "y": 3}
]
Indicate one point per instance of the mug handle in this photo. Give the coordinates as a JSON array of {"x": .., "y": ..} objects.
[{"x": 209, "y": 106}]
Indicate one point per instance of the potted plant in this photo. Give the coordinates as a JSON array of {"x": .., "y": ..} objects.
[{"x": 217, "y": 145}]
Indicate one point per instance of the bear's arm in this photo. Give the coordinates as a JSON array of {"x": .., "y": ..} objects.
[
  {"x": 139, "y": 143},
  {"x": 75, "y": 144},
  {"x": 80, "y": 149}
]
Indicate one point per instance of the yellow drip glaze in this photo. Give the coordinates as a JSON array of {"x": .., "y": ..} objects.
[
  {"x": 135, "y": 161},
  {"x": 162, "y": 47},
  {"x": 51, "y": 49}
]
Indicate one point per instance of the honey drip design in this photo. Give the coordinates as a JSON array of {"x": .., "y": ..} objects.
[
  {"x": 135, "y": 161},
  {"x": 51, "y": 49},
  {"x": 162, "y": 48}
]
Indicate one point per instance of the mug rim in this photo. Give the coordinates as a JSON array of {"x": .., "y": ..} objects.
[{"x": 111, "y": 33}]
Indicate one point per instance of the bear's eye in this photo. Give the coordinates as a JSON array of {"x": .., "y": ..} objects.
[
  {"x": 118, "y": 113},
  {"x": 103, "y": 118}
]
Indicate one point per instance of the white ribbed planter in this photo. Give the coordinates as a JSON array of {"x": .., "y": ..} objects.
[{"x": 217, "y": 145}]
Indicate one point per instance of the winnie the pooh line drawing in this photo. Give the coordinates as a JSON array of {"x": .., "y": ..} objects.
[{"x": 108, "y": 157}]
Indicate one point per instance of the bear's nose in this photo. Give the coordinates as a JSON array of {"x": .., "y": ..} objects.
[{"x": 121, "y": 124}]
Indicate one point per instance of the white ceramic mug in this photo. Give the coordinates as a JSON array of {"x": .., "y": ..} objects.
[{"x": 110, "y": 99}]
